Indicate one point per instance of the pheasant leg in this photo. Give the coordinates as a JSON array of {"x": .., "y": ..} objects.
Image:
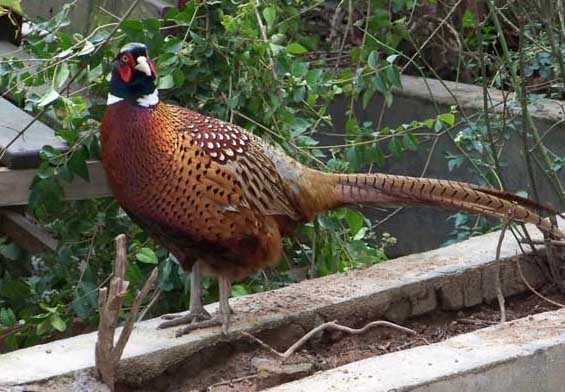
[
  {"x": 196, "y": 313},
  {"x": 222, "y": 317}
]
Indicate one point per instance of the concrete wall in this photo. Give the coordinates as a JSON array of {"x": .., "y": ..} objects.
[{"x": 87, "y": 13}]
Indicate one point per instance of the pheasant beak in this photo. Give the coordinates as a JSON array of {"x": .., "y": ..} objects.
[{"x": 144, "y": 66}]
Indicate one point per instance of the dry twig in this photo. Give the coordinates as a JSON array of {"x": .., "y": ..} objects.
[
  {"x": 499, "y": 294},
  {"x": 108, "y": 354},
  {"x": 329, "y": 325},
  {"x": 532, "y": 289}
]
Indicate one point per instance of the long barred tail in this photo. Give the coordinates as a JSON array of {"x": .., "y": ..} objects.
[{"x": 392, "y": 190}]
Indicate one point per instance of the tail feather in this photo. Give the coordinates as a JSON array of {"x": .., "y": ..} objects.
[{"x": 393, "y": 190}]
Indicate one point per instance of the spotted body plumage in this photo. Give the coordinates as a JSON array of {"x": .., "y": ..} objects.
[
  {"x": 221, "y": 199},
  {"x": 202, "y": 186}
]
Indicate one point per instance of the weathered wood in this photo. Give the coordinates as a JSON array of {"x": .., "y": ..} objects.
[
  {"x": 26, "y": 233},
  {"x": 15, "y": 185},
  {"x": 24, "y": 152}
]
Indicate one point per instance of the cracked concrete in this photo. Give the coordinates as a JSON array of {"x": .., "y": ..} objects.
[{"x": 521, "y": 356}]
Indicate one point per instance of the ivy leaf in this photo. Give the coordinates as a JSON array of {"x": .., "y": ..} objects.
[
  {"x": 147, "y": 256},
  {"x": 43, "y": 327},
  {"x": 373, "y": 59},
  {"x": 270, "y": 15},
  {"x": 447, "y": 118},
  {"x": 46, "y": 193},
  {"x": 87, "y": 48},
  {"x": 296, "y": 48},
  {"x": 48, "y": 97},
  {"x": 57, "y": 322},
  {"x": 50, "y": 154},
  {"x": 237, "y": 290},
  {"x": 61, "y": 74},
  {"x": 393, "y": 76},
  {"x": 166, "y": 82},
  {"x": 77, "y": 164},
  {"x": 375, "y": 154},
  {"x": 7, "y": 317},
  {"x": 14, "y": 5},
  {"x": 10, "y": 251},
  {"x": 410, "y": 141}
]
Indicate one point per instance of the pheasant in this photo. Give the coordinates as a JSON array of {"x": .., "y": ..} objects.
[{"x": 220, "y": 199}]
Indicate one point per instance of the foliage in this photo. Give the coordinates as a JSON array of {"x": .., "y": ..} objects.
[
  {"x": 256, "y": 64},
  {"x": 216, "y": 58}
]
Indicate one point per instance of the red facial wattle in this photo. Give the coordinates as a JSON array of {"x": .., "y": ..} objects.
[{"x": 125, "y": 72}]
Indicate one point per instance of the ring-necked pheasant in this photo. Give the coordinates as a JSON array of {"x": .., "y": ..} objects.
[{"x": 221, "y": 199}]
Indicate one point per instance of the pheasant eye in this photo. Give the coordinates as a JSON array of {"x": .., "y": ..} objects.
[{"x": 125, "y": 58}]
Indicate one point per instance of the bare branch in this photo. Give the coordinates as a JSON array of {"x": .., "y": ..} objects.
[
  {"x": 107, "y": 355},
  {"x": 329, "y": 325}
]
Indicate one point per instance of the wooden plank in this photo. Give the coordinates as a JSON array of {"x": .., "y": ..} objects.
[
  {"x": 24, "y": 153},
  {"x": 15, "y": 185},
  {"x": 25, "y": 232}
]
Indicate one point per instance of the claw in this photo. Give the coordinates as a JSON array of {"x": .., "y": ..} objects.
[
  {"x": 213, "y": 322},
  {"x": 194, "y": 316}
]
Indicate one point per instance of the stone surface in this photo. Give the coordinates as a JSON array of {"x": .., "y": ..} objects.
[
  {"x": 369, "y": 292},
  {"x": 521, "y": 356}
]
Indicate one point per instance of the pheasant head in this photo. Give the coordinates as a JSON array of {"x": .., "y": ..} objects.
[{"x": 133, "y": 77}]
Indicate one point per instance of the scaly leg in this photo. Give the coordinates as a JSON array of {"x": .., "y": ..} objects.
[
  {"x": 222, "y": 317},
  {"x": 196, "y": 311}
]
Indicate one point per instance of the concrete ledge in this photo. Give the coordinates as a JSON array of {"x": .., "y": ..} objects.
[
  {"x": 524, "y": 355},
  {"x": 452, "y": 277},
  {"x": 469, "y": 97}
]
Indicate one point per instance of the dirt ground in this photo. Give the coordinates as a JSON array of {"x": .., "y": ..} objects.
[{"x": 238, "y": 368}]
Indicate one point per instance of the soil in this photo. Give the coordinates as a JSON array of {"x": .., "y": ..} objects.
[{"x": 237, "y": 369}]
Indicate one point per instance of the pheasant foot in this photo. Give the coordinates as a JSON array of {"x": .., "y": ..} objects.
[
  {"x": 197, "y": 313},
  {"x": 193, "y": 316},
  {"x": 222, "y": 317}
]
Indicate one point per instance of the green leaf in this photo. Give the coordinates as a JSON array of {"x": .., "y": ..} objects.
[
  {"x": 48, "y": 97},
  {"x": 375, "y": 154},
  {"x": 166, "y": 82},
  {"x": 46, "y": 193},
  {"x": 57, "y": 322},
  {"x": 10, "y": 251},
  {"x": 469, "y": 19},
  {"x": 147, "y": 256},
  {"x": 447, "y": 118},
  {"x": 410, "y": 141},
  {"x": 393, "y": 76},
  {"x": 354, "y": 221},
  {"x": 50, "y": 154},
  {"x": 7, "y": 317},
  {"x": 270, "y": 15},
  {"x": 14, "y": 5},
  {"x": 373, "y": 59},
  {"x": 133, "y": 25},
  {"x": 237, "y": 290},
  {"x": 392, "y": 58},
  {"x": 43, "y": 327},
  {"x": 296, "y": 48},
  {"x": 77, "y": 163},
  {"x": 381, "y": 84},
  {"x": 61, "y": 74},
  {"x": 14, "y": 289},
  {"x": 429, "y": 123}
]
